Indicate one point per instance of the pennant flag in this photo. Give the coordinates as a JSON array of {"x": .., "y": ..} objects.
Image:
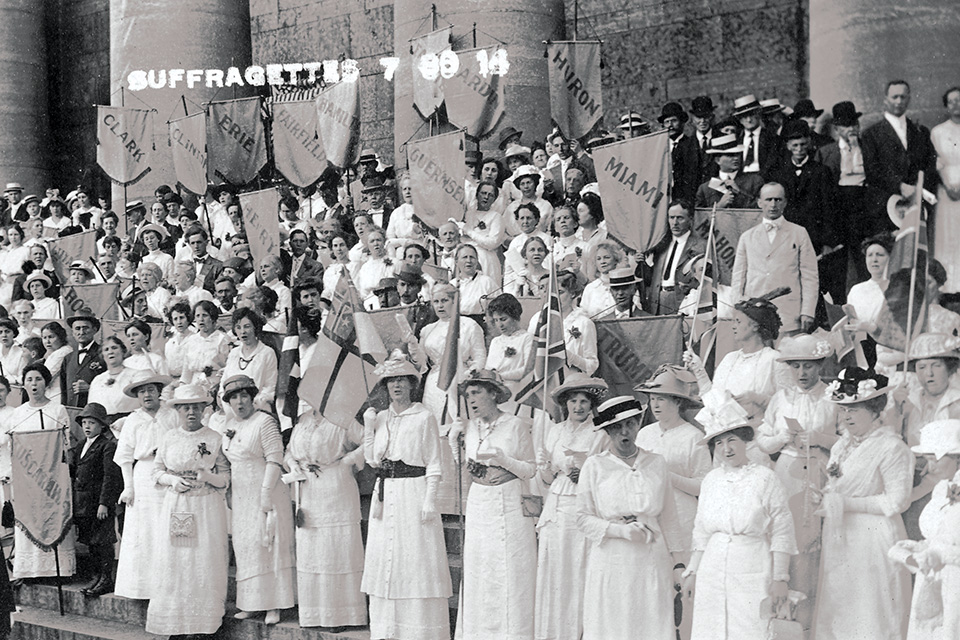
[
  {"x": 288, "y": 375},
  {"x": 576, "y": 102},
  {"x": 158, "y": 336},
  {"x": 705, "y": 315},
  {"x": 260, "y": 217},
  {"x": 63, "y": 251},
  {"x": 124, "y": 143},
  {"x": 437, "y": 175},
  {"x": 451, "y": 350},
  {"x": 236, "y": 141},
  {"x": 98, "y": 300},
  {"x": 550, "y": 350},
  {"x": 428, "y": 94},
  {"x": 338, "y": 122},
  {"x": 474, "y": 95},
  {"x": 633, "y": 177},
  {"x": 730, "y": 224},
  {"x": 188, "y": 144},
  {"x": 41, "y": 482},
  {"x": 297, "y": 152},
  {"x": 630, "y": 350}
]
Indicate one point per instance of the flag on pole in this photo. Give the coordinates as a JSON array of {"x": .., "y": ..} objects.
[
  {"x": 338, "y": 122},
  {"x": 188, "y": 144},
  {"x": 451, "y": 350},
  {"x": 550, "y": 350},
  {"x": 236, "y": 140},
  {"x": 41, "y": 482},
  {"x": 576, "y": 101},
  {"x": 297, "y": 150},
  {"x": 124, "y": 143},
  {"x": 63, "y": 251},
  {"x": 98, "y": 300},
  {"x": 368, "y": 340},
  {"x": 474, "y": 95}
]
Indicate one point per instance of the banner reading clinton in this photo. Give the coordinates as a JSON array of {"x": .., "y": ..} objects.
[
  {"x": 437, "y": 175},
  {"x": 576, "y": 103},
  {"x": 236, "y": 142},
  {"x": 41, "y": 479},
  {"x": 188, "y": 143},
  {"x": 297, "y": 152},
  {"x": 124, "y": 143}
]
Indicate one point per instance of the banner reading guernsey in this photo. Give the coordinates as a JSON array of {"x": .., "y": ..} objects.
[
  {"x": 41, "y": 479},
  {"x": 633, "y": 177},
  {"x": 437, "y": 174},
  {"x": 236, "y": 142},
  {"x": 428, "y": 93},
  {"x": 576, "y": 104},
  {"x": 188, "y": 144},
  {"x": 630, "y": 350},
  {"x": 338, "y": 122},
  {"x": 297, "y": 152},
  {"x": 263, "y": 225},
  {"x": 124, "y": 143},
  {"x": 474, "y": 96}
]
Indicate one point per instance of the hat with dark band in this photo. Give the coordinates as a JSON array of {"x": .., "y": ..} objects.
[
  {"x": 623, "y": 277},
  {"x": 805, "y": 109},
  {"x": 506, "y": 135},
  {"x": 95, "y": 411},
  {"x": 235, "y": 384},
  {"x": 673, "y": 110},
  {"x": 845, "y": 114},
  {"x": 617, "y": 410},
  {"x": 702, "y": 107},
  {"x": 745, "y": 105}
]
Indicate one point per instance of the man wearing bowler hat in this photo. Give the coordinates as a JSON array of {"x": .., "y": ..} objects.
[
  {"x": 702, "y": 112},
  {"x": 375, "y": 191},
  {"x": 84, "y": 364},
  {"x": 683, "y": 152},
  {"x": 410, "y": 282},
  {"x": 366, "y": 169},
  {"x": 762, "y": 149},
  {"x": 806, "y": 111}
]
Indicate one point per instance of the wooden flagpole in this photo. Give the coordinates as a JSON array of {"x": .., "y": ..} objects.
[
  {"x": 913, "y": 275},
  {"x": 703, "y": 274}
]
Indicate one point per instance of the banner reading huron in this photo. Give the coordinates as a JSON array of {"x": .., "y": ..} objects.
[
  {"x": 730, "y": 224},
  {"x": 297, "y": 152},
  {"x": 188, "y": 144},
  {"x": 630, "y": 350},
  {"x": 236, "y": 142},
  {"x": 437, "y": 174},
  {"x": 63, "y": 251},
  {"x": 633, "y": 177},
  {"x": 576, "y": 103},
  {"x": 428, "y": 94},
  {"x": 41, "y": 482},
  {"x": 338, "y": 122},
  {"x": 263, "y": 226},
  {"x": 474, "y": 96},
  {"x": 98, "y": 300},
  {"x": 124, "y": 143}
]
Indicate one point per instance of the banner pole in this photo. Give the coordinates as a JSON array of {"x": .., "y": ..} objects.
[
  {"x": 913, "y": 275},
  {"x": 706, "y": 261},
  {"x": 56, "y": 560},
  {"x": 125, "y": 186}
]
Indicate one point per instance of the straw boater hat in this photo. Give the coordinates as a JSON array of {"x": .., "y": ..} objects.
[
  {"x": 516, "y": 150},
  {"x": 488, "y": 378},
  {"x": 855, "y": 385},
  {"x": 939, "y": 438},
  {"x": 745, "y": 105},
  {"x": 13, "y": 186},
  {"x": 82, "y": 266},
  {"x": 725, "y": 145},
  {"x": 235, "y": 384},
  {"x": 527, "y": 171},
  {"x": 671, "y": 380},
  {"x": 771, "y": 106},
  {"x": 804, "y": 347},
  {"x": 623, "y": 277},
  {"x": 721, "y": 417},
  {"x": 367, "y": 155},
  {"x": 190, "y": 394},
  {"x": 142, "y": 379},
  {"x": 600, "y": 138},
  {"x": 161, "y": 231},
  {"x": 30, "y": 198},
  {"x": 133, "y": 205},
  {"x": 617, "y": 409},
  {"x": 579, "y": 383},
  {"x": 933, "y": 345},
  {"x": 84, "y": 316},
  {"x": 93, "y": 410},
  {"x": 632, "y": 120},
  {"x": 396, "y": 366},
  {"x": 34, "y": 277}
]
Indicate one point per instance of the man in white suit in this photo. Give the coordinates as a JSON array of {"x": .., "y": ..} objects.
[{"x": 777, "y": 253}]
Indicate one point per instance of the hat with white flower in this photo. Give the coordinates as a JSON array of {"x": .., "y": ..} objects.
[
  {"x": 719, "y": 417},
  {"x": 939, "y": 438},
  {"x": 804, "y": 347},
  {"x": 854, "y": 385},
  {"x": 933, "y": 345},
  {"x": 396, "y": 366}
]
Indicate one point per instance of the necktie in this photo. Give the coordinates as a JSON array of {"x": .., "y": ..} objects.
[
  {"x": 704, "y": 143},
  {"x": 751, "y": 149},
  {"x": 668, "y": 268}
]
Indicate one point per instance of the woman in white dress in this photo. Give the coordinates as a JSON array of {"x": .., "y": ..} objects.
[
  {"x": 511, "y": 352},
  {"x": 403, "y": 227},
  {"x": 626, "y": 511},
  {"x": 262, "y": 519},
  {"x": 500, "y": 547},
  {"x": 867, "y": 296},
  {"x": 483, "y": 228},
  {"x": 568, "y": 248},
  {"x": 54, "y": 338},
  {"x": 597, "y": 299},
  {"x": 323, "y": 458},
  {"x": 138, "y": 335},
  {"x": 946, "y": 140},
  {"x": 514, "y": 260},
  {"x": 39, "y": 412},
  {"x": 252, "y": 358},
  {"x": 107, "y": 388},
  {"x": 151, "y": 236},
  {"x": 870, "y": 480},
  {"x": 142, "y": 433},
  {"x": 474, "y": 286},
  {"x": 11, "y": 262},
  {"x": 525, "y": 283},
  {"x": 35, "y": 286},
  {"x": 405, "y": 569},
  {"x": 190, "y": 569},
  {"x": 341, "y": 264},
  {"x": 180, "y": 317},
  {"x": 206, "y": 351},
  {"x": 743, "y": 536},
  {"x": 149, "y": 276},
  {"x": 377, "y": 266},
  {"x": 562, "y": 557}
]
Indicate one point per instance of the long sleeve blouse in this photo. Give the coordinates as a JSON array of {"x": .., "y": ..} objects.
[{"x": 411, "y": 436}]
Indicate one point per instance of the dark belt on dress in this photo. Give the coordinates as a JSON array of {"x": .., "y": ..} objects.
[
  {"x": 489, "y": 475},
  {"x": 667, "y": 288},
  {"x": 397, "y": 469}
]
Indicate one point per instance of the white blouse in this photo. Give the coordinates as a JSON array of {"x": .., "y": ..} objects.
[
  {"x": 473, "y": 293},
  {"x": 142, "y": 434},
  {"x": 261, "y": 365}
]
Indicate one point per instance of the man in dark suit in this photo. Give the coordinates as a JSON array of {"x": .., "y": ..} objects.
[
  {"x": 302, "y": 266},
  {"x": 623, "y": 288},
  {"x": 683, "y": 152},
  {"x": 732, "y": 188},
  {"x": 84, "y": 364},
  {"x": 664, "y": 292},
  {"x": 410, "y": 282},
  {"x": 895, "y": 150},
  {"x": 806, "y": 111},
  {"x": 702, "y": 111},
  {"x": 762, "y": 148},
  {"x": 208, "y": 267}
]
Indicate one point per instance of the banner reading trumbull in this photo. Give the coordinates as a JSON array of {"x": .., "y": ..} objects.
[
  {"x": 297, "y": 152},
  {"x": 437, "y": 174},
  {"x": 576, "y": 103},
  {"x": 731, "y": 223},
  {"x": 188, "y": 144},
  {"x": 63, "y": 251},
  {"x": 236, "y": 142},
  {"x": 98, "y": 300},
  {"x": 124, "y": 143},
  {"x": 630, "y": 350},
  {"x": 263, "y": 226},
  {"x": 633, "y": 177},
  {"x": 338, "y": 122},
  {"x": 428, "y": 94},
  {"x": 41, "y": 479},
  {"x": 474, "y": 100}
]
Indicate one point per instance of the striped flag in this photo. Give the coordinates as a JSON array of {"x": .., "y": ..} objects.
[{"x": 550, "y": 351}]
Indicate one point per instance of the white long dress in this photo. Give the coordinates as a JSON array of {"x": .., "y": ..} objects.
[
  {"x": 329, "y": 545},
  {"x": 265, "y": 574},
  {"x": 142, "y": 527},
  {"x": 190, "y": 592},
  {"x": 500, "y": 544},
  {"x": 562, "y": 558},
  {"x": 510, "y": 356},
  {"x": 628, "y": 586},
  {"x": 878, "y": 475},
  {"x": 484, "y": 230},
  {"x": 946, "y": 140},
  {"x": 742, "y": 519}
]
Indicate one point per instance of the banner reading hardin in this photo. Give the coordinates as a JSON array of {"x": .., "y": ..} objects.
[
  {"x": 236, "y": 142},
  {"x": 631, "y": 349},
  {"x": 437, "y": 174},
  {"x": 297, "y": 152},
  {"x": 124, "y": 143},
  {"x": 633, "y": 177},
  {"x": 63, "y": 251},
  {"x": 428, "y": 94},
  {"x": 188, "y": 144},
  {"x": 576, "y": 103},
  {"x": 474, "y": 100},
  {"x": 261, "y": 220},
  {"x": 338, "y": 122},
  {"x": 41, "y": 482},
  {"x": 731, "y": 223}
]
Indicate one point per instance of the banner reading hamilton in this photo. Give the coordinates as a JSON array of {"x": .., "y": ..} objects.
[
  {"x": 474, "y": 98},
  {"x": 188, "y": 144},
  {"x": 236, "y": 142},
  {"x": 576, "y": 104},
  {"x": 124, "y": 143},
  {"x": 41, "y": 479},
  {"x": 263, "y": 226},
  {"x": 338, "y": 122},
  {"x": 428, "y": 94},
  {"x": 633, "y": 177},
  {"x": 297, "y": 152},
  {"x": 437, "y": 175}
]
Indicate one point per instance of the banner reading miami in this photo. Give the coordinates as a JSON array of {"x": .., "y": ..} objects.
[
  {"x": 236, "y": 142},
  {"x": 338, "y": 122},
  {"x": 297, "y": 152},
  {"x": 260, "y": 216},
  {"x": 41, "y": 479},
  {"x": 124, "y": 143},
  {"x": 474, "y": 96},
  {"x": 437, "y": 175},
  {"x": 633, "y": 177},
  {"x": 576, "y": 103},
  {"x": 188, "y": 144}
]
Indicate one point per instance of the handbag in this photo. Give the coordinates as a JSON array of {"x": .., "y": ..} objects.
[
  {"x": 532, "y": 505},
  {"x": 183, "y": 525}
]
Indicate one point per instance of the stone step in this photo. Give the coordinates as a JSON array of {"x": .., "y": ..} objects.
[
  {"x": 43, "y": 624},
  {"x": 109, "y": 607}
]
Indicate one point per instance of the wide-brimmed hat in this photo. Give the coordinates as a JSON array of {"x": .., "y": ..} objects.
[
  {"x": 623, "y": 277},
  {"x": 367, "y": 155},
  {"x": 516, "y": 150},
  {"x": 795, "y": 129},
  {"x": 237, "y": 383},
  {"x": 580, "y": 383},
  {"x": 190, "y": 394},
  {"x": 939, "y": 438},
  {"x": 28, "y": 199},
  {"x": 770, "y": 106},
  {"x": 13, "y": 186},
  {"x": 804, "y": 347},
  {"x": 632, "y": 120},
  {"x": 160, "y": 229},
  {"x": 527, "y": 171},
  {"x": 721, "y": 417},
  {"x": 673, "y": 110},
  {"x": 84, "y": 316},
  {"x": 142, "y": 379},
  {"x": 385, "y": 284},
  {"x": 93, "y": 410},
  {"x": 702, "y": 106},
  {"x": 845, "y": 114},
  {"x": 724, "y": 145},
  {"x": 745, "y": 104},
  {"x": 411, "y": 274},
  {"x": 396, "y": 366},
  {"x": 805, "y": 109},
  {"x": 854, "y": 385},
  {"x": 82, "y": 266},
  {"x": 35, "y": 277},
  {"x": 373, "y": 183},
  {"x": 617, "y": 409},
  {"x": 506, "y": 134},
  {"x": 933, "y": 345},
  {"x": 489, "y": 378},
  {"x": 131, "y": 206},
  {"x": 672, "y": 380}
]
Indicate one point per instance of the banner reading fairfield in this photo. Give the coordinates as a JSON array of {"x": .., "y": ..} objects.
[
  {"x": 263, "y": 225},
  {"x": 297, "y": 152},
  {"x": 236, "y": 141},
  {"x": 188, "y": 144},
  {"x": 437, "y": 174},
  {"x": 41, "y": 479},
  {"x": 124, "y": 143},
  {"x": 576, "y": 103}
]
